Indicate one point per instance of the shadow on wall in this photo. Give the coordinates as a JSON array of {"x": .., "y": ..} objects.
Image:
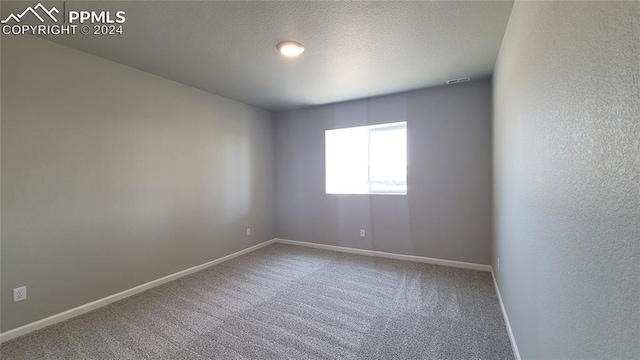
[
  {"x": 447, "y": 210},
  {"x": 236, "y": 170},
  {"x": 380, "y": 216},
  {"x": 107, "y": 189}
]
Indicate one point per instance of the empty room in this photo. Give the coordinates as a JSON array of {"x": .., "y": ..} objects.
[{"x": 320, "y": 180}]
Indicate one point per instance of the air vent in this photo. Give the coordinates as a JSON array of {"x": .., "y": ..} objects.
[{"x": 455, "y": 81}]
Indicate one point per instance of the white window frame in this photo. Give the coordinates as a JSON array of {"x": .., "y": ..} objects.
[{"x": 370, "y": 128}]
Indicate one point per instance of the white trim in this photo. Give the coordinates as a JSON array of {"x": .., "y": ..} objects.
[
  {"x": 512, "y": 338},
  {"x": 422, "y": 259},
  {"x": 39, "y": 324}
]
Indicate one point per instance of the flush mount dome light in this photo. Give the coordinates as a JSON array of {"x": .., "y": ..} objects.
[{"x": 290, "y": 48}]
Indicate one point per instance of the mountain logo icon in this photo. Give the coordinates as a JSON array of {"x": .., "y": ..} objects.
[{"x": 34, "y": 11}]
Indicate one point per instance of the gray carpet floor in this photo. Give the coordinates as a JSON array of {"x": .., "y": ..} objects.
[{"x": 291, "y": 302}]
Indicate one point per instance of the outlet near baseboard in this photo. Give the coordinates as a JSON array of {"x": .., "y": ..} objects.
[{"x": 20, "y": 294}]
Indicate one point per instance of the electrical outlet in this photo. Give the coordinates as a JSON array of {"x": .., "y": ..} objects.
[
  {"x": 361, "y": 233},
  {"x": 20, "y": 294},
  {"x": 498, "y": 263},
  {"x": 248, "y": 231}
]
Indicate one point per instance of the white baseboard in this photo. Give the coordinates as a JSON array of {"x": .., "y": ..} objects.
[
  {"x": 514, "y": 346},
  {"x": 422, "y": 259},
  {"x": 452, "y": 263},
  {"x": 82, "y": 309},
  {"x": 36, "y": 325}
]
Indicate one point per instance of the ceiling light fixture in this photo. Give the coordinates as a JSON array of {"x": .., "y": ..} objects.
[{"x": 290, "y": 48}]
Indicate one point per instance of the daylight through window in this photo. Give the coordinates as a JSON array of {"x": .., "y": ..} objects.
[{"x": 367, "y": 159}]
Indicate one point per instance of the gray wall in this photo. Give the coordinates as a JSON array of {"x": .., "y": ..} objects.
[
  {"x": 112, "y": 177},
  {"x": 567, "y": 178},
  {"x": 447, "y": 211}
]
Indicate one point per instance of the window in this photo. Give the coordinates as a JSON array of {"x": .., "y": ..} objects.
[{"x": 367, "y": 159}]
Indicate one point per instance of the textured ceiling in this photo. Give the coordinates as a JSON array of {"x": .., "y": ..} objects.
[{"x": 353, "y": 49}]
